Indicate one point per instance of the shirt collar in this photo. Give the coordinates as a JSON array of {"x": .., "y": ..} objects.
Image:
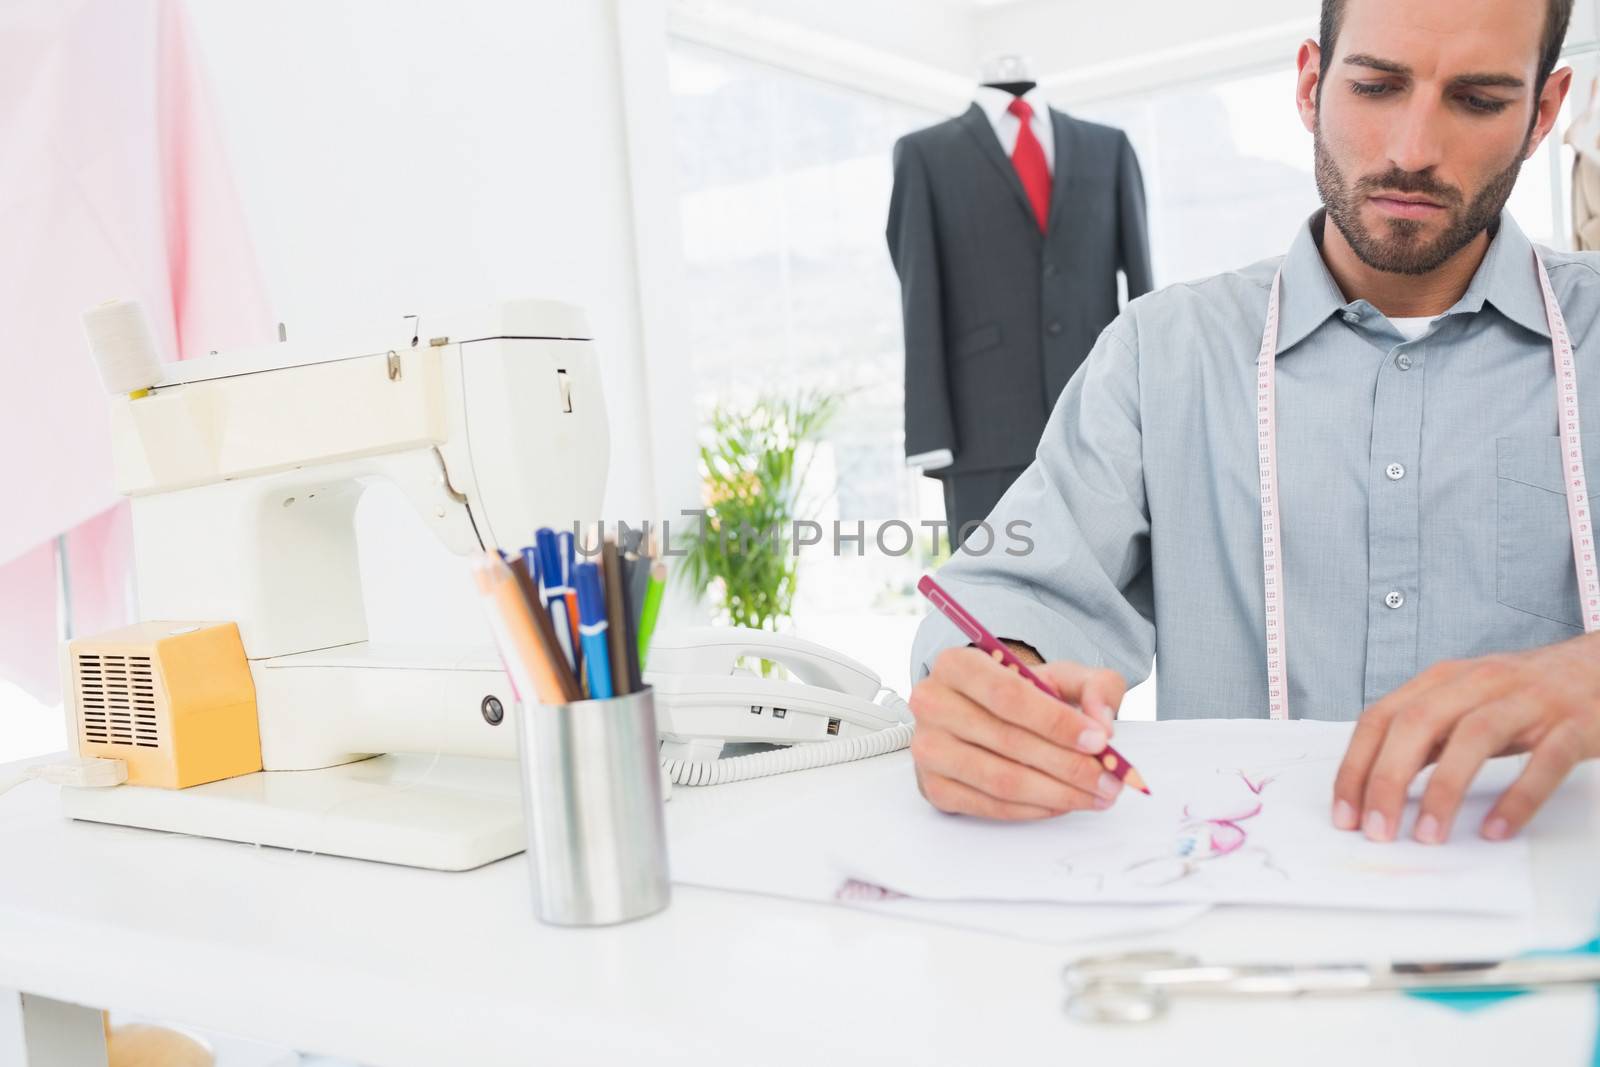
[
  {"x": 1310, "y": 295},
  {"x": 1506, "y": 278},
  {"x": 995, "y": 101}
]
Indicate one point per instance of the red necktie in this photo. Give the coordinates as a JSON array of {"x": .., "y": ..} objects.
[{"x": 1028, "y": 158}]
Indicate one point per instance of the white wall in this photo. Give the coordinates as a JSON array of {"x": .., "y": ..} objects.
[
  {"x": 398, "y": 157},
  {"x": 1063, "y": 36},
  {"x": 928, "y": 51},
  {"x": 1088, "y": 49},
  {"x": 940, "y": 33},
  {"x": 401, "y": 157}
]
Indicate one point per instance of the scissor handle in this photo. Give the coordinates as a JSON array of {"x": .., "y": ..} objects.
[{"x": 1123, "y": 967}]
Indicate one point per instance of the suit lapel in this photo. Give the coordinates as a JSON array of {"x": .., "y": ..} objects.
[
  {"x": 1068, "y": 158},
  {"x": 978, "y": 125}
]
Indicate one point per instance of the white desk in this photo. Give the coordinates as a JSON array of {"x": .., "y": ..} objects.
[{"x": 397, "y": 967}]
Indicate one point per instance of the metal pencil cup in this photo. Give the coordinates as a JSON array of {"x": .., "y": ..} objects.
[{"x": 591, "y": 798}]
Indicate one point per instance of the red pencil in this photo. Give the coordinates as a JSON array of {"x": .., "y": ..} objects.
[{"x": 1109, "y": 758}]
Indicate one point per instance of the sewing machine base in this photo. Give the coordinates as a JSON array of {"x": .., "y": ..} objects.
[{"x": 446, "y": 813}]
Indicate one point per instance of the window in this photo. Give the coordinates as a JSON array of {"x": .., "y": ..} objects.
[{"x": 784, "y": 183}]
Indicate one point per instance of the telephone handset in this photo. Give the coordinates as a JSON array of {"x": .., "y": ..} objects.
[{"x": 838, "y": 710}]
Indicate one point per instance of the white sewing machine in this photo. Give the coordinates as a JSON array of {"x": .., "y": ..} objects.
[
  {"x": 252, "y": 706},
  {"x": 244, "y": 470}
]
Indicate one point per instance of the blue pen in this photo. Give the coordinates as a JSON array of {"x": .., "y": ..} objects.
[
  {"x": 565, "y": 548},
  {"x": 565, "y": 558},
  {"x": 544, "y": 539},
  {"x": 592, "y": 613},
  {"x": 530, "y": 556},
  {"x": 556, "y": 588}
]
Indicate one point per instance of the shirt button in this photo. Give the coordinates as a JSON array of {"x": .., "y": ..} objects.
[
  {"x": 1403, "y": 361},
  {"x": 1054, "y": 328},
  {"x": 1352, "y": 317},
  {"x": 1395, "y": 472},
  {"x": 1394, "y": 598}
]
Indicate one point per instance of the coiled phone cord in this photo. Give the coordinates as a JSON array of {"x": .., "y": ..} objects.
[{"x": 796, "y": 757}]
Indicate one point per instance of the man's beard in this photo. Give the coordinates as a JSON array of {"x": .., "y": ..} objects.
[{"x": 1402, "y": 250}]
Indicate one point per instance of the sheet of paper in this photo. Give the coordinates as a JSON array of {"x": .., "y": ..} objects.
[
  {"x": 1239, "y": 814},
  {"x": 768, "y": 838},
  {"x": 1051, "y": 924}
]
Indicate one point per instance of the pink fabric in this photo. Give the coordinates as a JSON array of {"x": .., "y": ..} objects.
[
  {"x": 100, "y": 570},
  {"x": 113, "y": 184},
  {"x": 28, "y": 623},
  {"x": 99, "y": 557}
]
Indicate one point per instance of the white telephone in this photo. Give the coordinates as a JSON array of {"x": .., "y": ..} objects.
[{"x": 838, "y": 711}]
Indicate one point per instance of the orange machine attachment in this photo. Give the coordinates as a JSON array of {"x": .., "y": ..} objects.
[{"x": 174, "y": 701}]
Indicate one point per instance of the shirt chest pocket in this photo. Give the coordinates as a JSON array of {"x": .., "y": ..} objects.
[{"x": 1533, "y": 555}]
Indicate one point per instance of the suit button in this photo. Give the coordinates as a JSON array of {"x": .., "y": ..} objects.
[
  {"x": 1049, "y": 270},
  {"x": 1054, "y": 328}
]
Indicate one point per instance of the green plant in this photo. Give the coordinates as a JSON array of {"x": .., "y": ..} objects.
[{"x": 753, "y": 477}]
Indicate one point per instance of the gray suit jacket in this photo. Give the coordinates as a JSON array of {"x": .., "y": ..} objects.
[{"x": 998, "y": 315}]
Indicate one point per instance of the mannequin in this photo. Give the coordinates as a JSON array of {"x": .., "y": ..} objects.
[
  {"x": 1008, "y": 235},
  {"x": 1007, "y": 72}
]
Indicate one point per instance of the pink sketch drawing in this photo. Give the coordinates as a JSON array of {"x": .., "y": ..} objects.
[
  {"x": 1201, "y": 838},
  {"x": 852, "y": 890}
]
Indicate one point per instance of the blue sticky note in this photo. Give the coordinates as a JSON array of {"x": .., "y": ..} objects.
[{"x": 1472, "y": 1000}]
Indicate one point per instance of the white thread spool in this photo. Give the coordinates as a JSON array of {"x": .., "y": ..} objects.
[{"x": 124, "y": 348}]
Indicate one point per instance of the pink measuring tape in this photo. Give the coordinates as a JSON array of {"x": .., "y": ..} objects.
[{"x": 1578, "y": 509}]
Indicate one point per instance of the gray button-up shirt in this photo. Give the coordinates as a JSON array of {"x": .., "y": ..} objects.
[{"x": 1421, "y": 495}]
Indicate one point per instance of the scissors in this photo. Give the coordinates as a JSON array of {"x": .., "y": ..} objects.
[{"x": 1137, "y": 987}]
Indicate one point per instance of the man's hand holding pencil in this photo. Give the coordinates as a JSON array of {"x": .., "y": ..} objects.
[
  {"x": 990, "y": 743},
  {"x": 1007, "y": 739}
]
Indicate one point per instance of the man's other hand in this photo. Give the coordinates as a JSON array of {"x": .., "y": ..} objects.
[{"x": 1459, "y": 713}]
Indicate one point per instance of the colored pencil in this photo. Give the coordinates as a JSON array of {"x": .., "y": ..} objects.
[
  {"x": 534, "y": 566},
  {"x": 523, "y": 569},
  {"x": 624, "y": 655},
  {"x": 649, "y": 610},
  {"x": 639, "y": 586},
  {"x": 533, "y": 672}
]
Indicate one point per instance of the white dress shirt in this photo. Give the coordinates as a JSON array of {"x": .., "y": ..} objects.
[{"x": 1006, "y": 127}]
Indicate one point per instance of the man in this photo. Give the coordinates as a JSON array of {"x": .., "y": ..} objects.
[{"x": 1423, "y": 568}]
